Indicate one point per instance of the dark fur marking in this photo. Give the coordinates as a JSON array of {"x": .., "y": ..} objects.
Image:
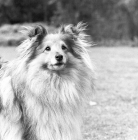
[
  {"x": 33, "y": 53},
  {"x": 40, "y": 32},
  {"x": 44, "y": 66},
  {"x": 1, "y": 106},
  {"x": 70, "y": 43}
]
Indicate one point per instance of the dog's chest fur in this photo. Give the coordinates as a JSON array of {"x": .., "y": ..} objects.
[{"x": 55, "y": 115}]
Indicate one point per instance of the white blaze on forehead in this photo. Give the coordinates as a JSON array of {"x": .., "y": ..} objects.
[
  {"x": 53, "y": 38},
  {"x": 55, "y": 41}
]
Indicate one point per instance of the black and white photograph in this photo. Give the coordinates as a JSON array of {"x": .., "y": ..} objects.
[{"x": 68, "y": 69}]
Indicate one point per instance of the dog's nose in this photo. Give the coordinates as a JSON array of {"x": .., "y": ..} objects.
[{"x": 59, "y": 57}]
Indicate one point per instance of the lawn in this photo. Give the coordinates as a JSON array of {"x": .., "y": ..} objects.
[
  {"x": 115, "y": 117},
  {"x": 115, "y": 114}
]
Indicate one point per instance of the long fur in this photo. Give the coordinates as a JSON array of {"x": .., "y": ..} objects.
[{"x": 37, "y": 103}]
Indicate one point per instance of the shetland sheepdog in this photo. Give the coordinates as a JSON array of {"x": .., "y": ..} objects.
[{"x": 42, "y": 91}]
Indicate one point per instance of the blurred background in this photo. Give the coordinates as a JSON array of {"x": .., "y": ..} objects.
[{"x": 110, "y": 21}]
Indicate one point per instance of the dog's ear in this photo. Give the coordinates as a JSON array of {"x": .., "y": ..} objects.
[
  {"x": 35, "y": 35},
  {"x": 75, "y": 31},
  {"x": 81, "y": 40},
  {"x": 35, "y": 31},
  {"x": 38, "y": 30}
]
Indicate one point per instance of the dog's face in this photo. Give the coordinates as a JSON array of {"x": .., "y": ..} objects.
[{"x": 55, "y": 52}]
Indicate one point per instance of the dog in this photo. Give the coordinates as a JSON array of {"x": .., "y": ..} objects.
[{"x": 42, "y": 91}]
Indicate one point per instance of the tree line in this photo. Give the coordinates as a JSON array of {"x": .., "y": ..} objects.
[{"x": 107, "y": 19}]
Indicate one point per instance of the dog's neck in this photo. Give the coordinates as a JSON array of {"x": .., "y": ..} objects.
[
  {"x": 55, "y": 88},
  {"x": 56, "y": 110}
]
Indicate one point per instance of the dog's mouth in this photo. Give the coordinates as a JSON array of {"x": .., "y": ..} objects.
[{"x": 58, "y": 66}]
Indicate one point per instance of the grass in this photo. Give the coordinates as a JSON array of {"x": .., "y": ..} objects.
[
  {"x": 8, "y": 53},
  {"x": 115, "y": 115}
]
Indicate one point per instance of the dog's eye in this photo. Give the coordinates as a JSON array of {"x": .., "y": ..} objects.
[
  {"x": 47, "y": 48},
  {"x": 64, "y": 47}
]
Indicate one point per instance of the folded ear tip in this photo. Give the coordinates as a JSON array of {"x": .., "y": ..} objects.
[
  {"x": 74, "y": 29},
  {"x": 40, "y": 30}
]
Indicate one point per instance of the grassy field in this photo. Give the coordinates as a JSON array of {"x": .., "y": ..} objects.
[{"x": 115, "y": 115}]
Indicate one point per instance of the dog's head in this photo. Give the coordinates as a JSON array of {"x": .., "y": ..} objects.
[
  {"x": 47, "y": 60},
  {"x": 56, "y": 51}
]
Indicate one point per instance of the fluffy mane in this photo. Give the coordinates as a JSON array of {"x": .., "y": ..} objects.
[{"x": 42, "y": 104}]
